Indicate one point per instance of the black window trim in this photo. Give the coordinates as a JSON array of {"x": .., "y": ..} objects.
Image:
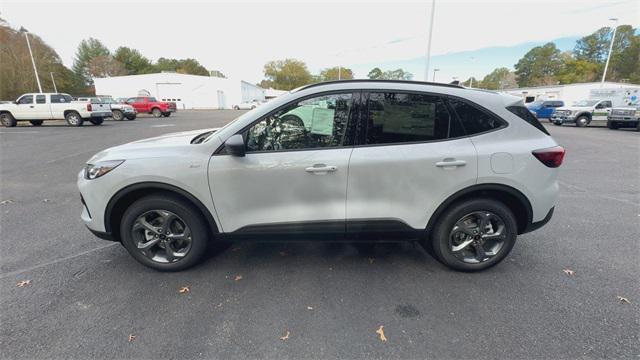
[
  {"x": 357, "y": 99},
  {"x": 504, "y": 123}
]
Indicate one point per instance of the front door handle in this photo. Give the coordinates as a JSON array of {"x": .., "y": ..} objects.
[
  {"x": 321, "y": 168},
  {"x": 451, "y": 163}
]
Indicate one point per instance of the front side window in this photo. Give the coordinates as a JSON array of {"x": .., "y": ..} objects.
[
  {"x": 152, "y": 99},
  {"x": 27, "y": 99},
  {"x": 40, "y": 99},
  {"x": 474, "y": 120},
  {"x": 319, "y": 122},
  {"x": 394, "y": 117}
]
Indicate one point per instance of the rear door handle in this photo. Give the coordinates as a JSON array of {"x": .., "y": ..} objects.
[
  {"x": 451, "y": 163},
  {"x": 321, "y": 168}
]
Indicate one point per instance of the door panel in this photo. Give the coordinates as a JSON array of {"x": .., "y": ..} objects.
[
  {"x": 407, "y": 182},
  {"x": 277, "y": 187}
]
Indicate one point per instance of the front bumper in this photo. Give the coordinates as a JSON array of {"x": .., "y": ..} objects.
[
  {"x": 621, "y": 119},
  {"x": 562, "y": 118}
]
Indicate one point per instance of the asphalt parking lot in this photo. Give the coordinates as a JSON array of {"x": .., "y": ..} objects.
[{"x": 86, "y": 296}]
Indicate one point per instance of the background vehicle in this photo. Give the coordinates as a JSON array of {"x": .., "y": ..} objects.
[
  {"x": 544, "y": 109},
  {"x": 120, "y": 110},
  {"x": 462, "y": 171},
  {"x": 624, "y": 117},
  {"x": 247, "y": 105},
  {"x": 149, "y": 105},
  {"x": 39, "y": 107},
  {"x": 582, "y": 113}
]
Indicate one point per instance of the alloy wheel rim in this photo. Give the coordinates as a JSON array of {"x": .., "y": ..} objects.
[
  {"x": 161, "y": 236},
  {"x": 73, "y": 119},
  {"x": 477, "y": 237}
]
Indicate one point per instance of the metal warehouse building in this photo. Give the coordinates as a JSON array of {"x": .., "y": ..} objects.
[
  {"x": 622, "y": 93},
  {"x": 187, "y": 91}
]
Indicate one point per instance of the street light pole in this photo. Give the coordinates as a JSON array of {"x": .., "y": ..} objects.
[
  {"x": 339, "y": 72},
  {"x": 434, "y": 74},
  {"x": 471, "y": 78},
  {"x": 33, "y": 62},
  {"x": 55, "y": 89},
  {"x": 433, "y": 11},
  {"x": 613, "y": 37}
]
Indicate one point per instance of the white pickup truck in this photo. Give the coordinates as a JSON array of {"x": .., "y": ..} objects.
[
  {"x": 582, "y": 113},
  {"x": 39, "y": 107}
]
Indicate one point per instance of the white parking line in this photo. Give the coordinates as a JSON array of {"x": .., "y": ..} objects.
[
  {"x": 19, "y": 132},
  {"x": 162, "y": 125}
]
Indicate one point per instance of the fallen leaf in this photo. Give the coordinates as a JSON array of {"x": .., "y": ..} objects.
[
  {"x": 132, "y": 337},
  {"x": 7, "y": 202},
  {"x": 286, "y": 336},
  {"x": 623, "y": 299},
  {"x": 371, "y": 260},
  {"x": 309, "y": 308},
  {"x": 238, "y": 278},
  {"x": 23, "y": 283},
  {"x": 184, "y": 289},
  {"x": 569, "y": 272},
  {"x": 380, "y": 332}
]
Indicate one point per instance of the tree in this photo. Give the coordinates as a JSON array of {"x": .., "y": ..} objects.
[
  {"x": 287, "y": 74},
  {"x": 375, "y": 74},
  {"x": 500, "y": 78},
  {"x": 133, "y": 61},
  {"x": 578, "y": 70},
  {"x": 332, "y": 74},
  {"x": 184, "y": 66},
  {"x": 593, "y": 47},
  {"x": 539, "y": 66},
  {"x": 475, "y": 83},
  {"x": 625, "y": 56},
  {"x": 93, "y": 59}
]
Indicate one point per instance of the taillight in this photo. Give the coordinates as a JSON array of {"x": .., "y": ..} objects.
[
  {"x": 551, "y": 157},
  {"x": 89, "y": 107}
]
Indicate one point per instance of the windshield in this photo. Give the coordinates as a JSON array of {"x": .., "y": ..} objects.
[{"x": 586, "y": 102}]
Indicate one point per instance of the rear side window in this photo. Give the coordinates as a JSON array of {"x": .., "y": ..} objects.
[
  {"x": 474, "y": 120},
  {"x": 40, "y": 99},
  {"x": 394, "y": 117},
  {"x": 523, "y": 113},
  {"x": 59, "y": 98}
]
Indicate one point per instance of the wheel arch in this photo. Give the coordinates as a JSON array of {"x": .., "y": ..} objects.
[
  {"x": 515, "y": 200},
  {"x": 71, "y": 111},
  {"x": 125, "y": 197}
]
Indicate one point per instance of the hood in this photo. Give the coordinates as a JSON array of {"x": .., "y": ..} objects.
[{"x": 159, "y": 146}]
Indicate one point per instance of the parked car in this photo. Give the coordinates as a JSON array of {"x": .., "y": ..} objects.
[
  {"x": 120, "y": 110},
  {"x": 544, "y": 108},
  {"x": 624, "y": 117},
  {"x": 39, "y": 107},
  {"x": 582, "y": 113},
  {"x": 462, "y": 171},
  {"x": 149, "y": 105},
  {"x": 247, "y": 105}
]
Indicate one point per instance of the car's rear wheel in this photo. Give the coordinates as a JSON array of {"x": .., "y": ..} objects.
[
  {"x": 474, "y": 235},
  {"x": 164, "y": 232},
  {"x": 96, "y": 121},
  {"x": 131, "y": 117},
  {"x": 582, "y": 121},
  {"x": 236, "y": 107},
  {"x": 167, "y": 114},
  {"x": 73, "y": 119},
  {"x": 117, "y": 115},
  {"x": 8, "y": 120},
  {"x": 36, "y": 122},
  {"x": 156, "y": 112},
  {"x": 611, "y": 125}
]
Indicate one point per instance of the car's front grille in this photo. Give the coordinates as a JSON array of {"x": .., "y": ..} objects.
[
  {"x": 562, "y": 112},
  {"x": 622, "y": 112}
]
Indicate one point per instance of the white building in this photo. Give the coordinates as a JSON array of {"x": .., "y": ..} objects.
[
  {"x": 187, "y": 91},
  {"x": 619, "y": 93}
]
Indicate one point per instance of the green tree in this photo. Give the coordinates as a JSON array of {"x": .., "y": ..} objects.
[
  {"x": 375, "y": 74},
  {"x": 593, "y": 47},
  {"x": 625, "y": 59},
  {"x": 500, "y": 78},
  {"x": 332, "y": 74},
  {"x": 287, "y": 74},
  {"x": 539, "y": 66},
  {"x": 93, "y": 59},
  {"x": 184, "y": 66},
  {"x": 578, "y": 70},
  {"x": 133, "y": 61}
]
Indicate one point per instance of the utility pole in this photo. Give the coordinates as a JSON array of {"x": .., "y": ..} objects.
[
  {"x": 471, "y": 78},
  {"x": 339, "y": 72},
  {"x": 433, "y": 11},
  {"x": 615, "y": 27},
  {"x": 55, "y": 89},
  {"x": 434, "y": 74},
  {"x": 33, "y": 62}
]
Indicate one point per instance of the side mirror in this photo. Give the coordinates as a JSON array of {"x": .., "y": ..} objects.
[{"x": 235, "y": 145}]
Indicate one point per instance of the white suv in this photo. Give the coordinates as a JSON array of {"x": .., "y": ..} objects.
[{"x": 462, "y": 171}]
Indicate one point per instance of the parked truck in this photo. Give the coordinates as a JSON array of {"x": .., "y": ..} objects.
[
  {"x": 119, "y": 110},
  {"x": 149, "y": 105},
  {"x": 624, "y": 117},
  {"x": 39, "y": 107},
  {"x": 582, "y": 113}
]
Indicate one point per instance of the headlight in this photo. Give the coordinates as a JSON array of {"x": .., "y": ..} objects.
[{"x": 94, "y": 171}]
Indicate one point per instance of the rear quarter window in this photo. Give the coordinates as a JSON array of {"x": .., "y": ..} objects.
[
  {"x": 475, "y": 120},
  {"x": 524, "y": 114}
]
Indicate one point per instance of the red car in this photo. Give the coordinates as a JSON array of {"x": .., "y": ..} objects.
[{"x": 149, "y": 105}]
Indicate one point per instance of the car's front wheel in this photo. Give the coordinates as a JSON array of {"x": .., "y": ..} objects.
[
  {"x": 117, "y": 115},
  {"x": 164, "y": 232},
  {"x": 156, "y": 112},
  {"x": 7, "y": 120},
  {"x": 582, "y": 121},
  {"x": 558, "y": 123},
  {"x": 474, "y": 235}
]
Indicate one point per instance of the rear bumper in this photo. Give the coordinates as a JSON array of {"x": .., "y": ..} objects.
[
  {"x": 101, "y": 114},
  {"x": 538, "y": 224}
]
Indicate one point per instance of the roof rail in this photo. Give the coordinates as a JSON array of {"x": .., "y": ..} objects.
[{"x": 379, "y": 80}]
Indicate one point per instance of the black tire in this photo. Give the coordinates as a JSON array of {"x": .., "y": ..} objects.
[
  {"x": 253, "y": 107},
  {"x": 73, "y": 119},
  {"x": 131, "y": 117},
  {"x": 557, "y": 123},
  {"x": 36, "y": 122},
  {"x": 8, "y": 120},
  {"x": 638, "y": 126},
  {"x": 156, "y": 112},
  {"x": 582, "y": 121},
  {"x": 167, "y": 114},
  {"x": 236, "y": 107},
  {"x": 611, "y": 125},
  {"x": 440, "y": 239},
  {"x": 117, "y": 115},
  {"x": 185, "y": 211},
  {"x": 96, "y": 121}
]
